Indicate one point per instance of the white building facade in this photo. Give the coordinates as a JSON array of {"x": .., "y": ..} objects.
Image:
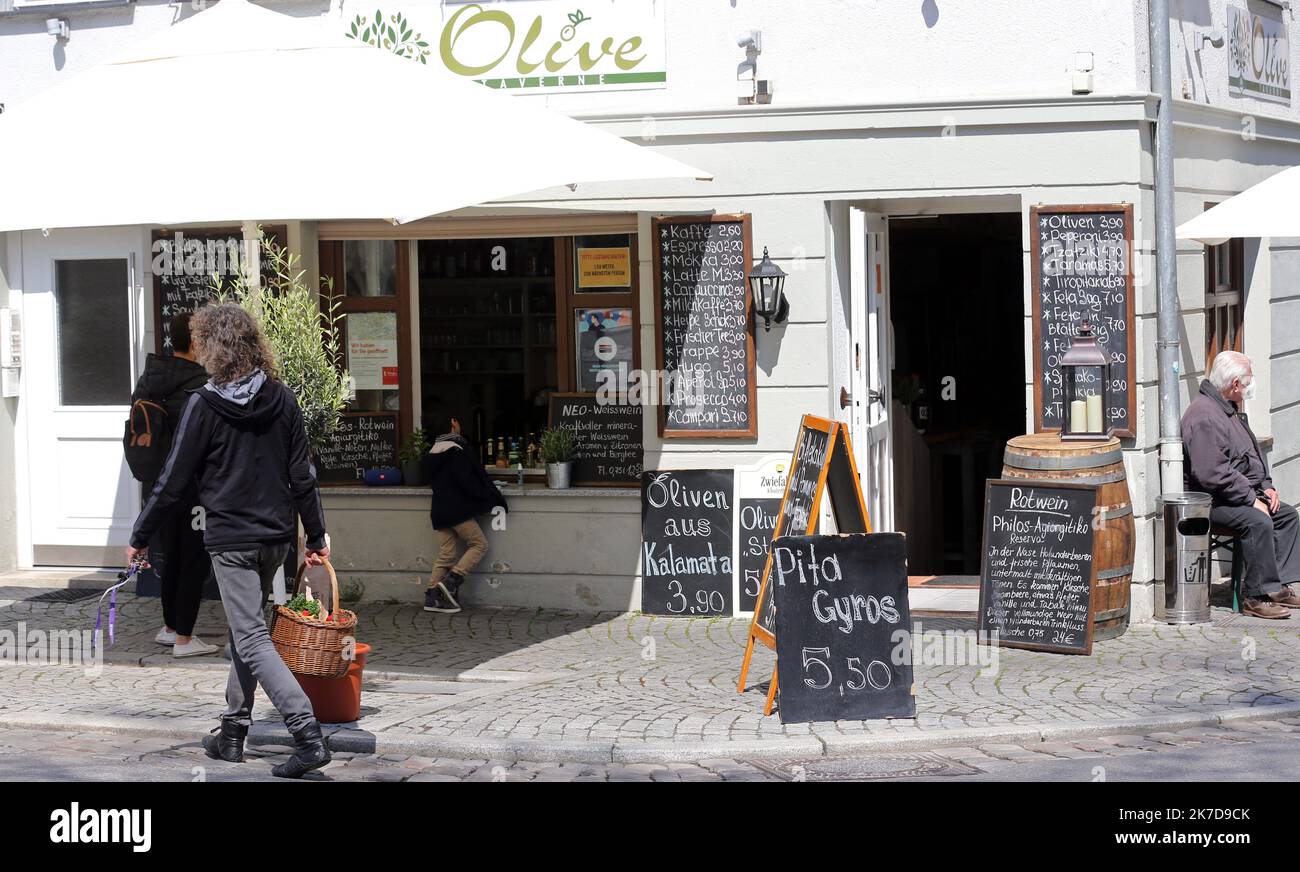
[{"x": 888, "y": 155}]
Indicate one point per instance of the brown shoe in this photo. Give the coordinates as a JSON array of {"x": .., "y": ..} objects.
[
  {"x": 1286, "y": 597},
  {"x": 1263, "y": 608}
]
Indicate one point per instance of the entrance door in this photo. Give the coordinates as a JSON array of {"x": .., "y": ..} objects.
[
  {"x": 82, "y": 304},
  {"x": 870, "y": 368}
]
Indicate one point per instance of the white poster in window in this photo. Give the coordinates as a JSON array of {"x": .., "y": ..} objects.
[{"x": 372, "y": 350}]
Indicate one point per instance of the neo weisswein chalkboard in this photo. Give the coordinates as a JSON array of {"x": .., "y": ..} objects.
[{"x": 607, "y": 438}]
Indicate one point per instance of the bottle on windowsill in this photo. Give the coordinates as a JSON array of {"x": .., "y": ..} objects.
[{"x": 502, "y": 461}]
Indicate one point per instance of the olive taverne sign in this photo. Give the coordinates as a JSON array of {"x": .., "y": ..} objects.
[
  {"x": 531, "y": 46},
  {"x": 822, "y": 461}
]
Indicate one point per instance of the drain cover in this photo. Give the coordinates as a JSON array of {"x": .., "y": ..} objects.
[
  {"x": 65, "y": 595},
  {"x": 875, "y": 767}
]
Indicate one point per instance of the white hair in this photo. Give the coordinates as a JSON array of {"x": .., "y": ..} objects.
[{"x": 1228, "y": 366}]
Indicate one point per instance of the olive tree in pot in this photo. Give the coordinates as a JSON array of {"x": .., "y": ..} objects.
[
  {"x": 558, "y": 451},
  {"x": 302, "y": 327},
  {"x": 412, "y": 457}
]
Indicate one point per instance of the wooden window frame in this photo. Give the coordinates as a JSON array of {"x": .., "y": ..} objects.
[
  {"x": 569, "y": 299},
  {"x": 331, "y": 266},
  {"x": 1225, "y": 299}
]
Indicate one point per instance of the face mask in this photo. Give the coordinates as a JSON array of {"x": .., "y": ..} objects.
[{"x": 1249, "y": 392}]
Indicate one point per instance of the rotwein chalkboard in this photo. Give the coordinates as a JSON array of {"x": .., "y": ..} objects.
[
  {"x": 841, "y": 613},
  {"x": 362, "y": 441},
  {"x": 184, "y": 262},
  {"x": 686, "y": 519},
  {"x": 1039, "y": 569},
  {"x": 706, "y": 334},
  {"x": 608, "y": 439},
  {"x": 1082, "y": 270}
]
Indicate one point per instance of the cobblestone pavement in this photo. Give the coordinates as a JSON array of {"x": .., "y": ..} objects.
[
  {"x": 612, "y": 686},
  {"x": 1255, "y": 750}
]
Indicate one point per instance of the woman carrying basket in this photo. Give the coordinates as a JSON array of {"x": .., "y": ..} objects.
[{"x": 241, "y": 439}]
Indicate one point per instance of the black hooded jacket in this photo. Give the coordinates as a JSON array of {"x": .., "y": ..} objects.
[
  {"x": 168, "y": 382},
  {"x": 461, "y": 489},
  {"x": 252, "y": 466}
]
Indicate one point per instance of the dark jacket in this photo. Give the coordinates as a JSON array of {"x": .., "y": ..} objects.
[
  {"x": 246, "y": 446},
  {"x": 1222, "y": 456},
  {"x": 168, "y": 381},
  {"x": 461, "y": 487}
]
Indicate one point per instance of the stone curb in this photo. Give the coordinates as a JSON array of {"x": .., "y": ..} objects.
[{"x": 342, "y": 738}]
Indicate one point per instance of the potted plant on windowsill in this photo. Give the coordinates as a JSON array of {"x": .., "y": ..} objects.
[
  {"x": 412, "y": 457},
  {"x": 558, "y": 451}
]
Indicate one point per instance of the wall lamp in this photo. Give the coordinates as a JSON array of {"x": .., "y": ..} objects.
[{"x": 767, "y": 283}]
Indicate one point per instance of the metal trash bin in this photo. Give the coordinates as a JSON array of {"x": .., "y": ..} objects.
[{"x": 1182, "y": 558}]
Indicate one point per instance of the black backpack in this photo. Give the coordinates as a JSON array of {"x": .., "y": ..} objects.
[{"x": 148, "y": 438}]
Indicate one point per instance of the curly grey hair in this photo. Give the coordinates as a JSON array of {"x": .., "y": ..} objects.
[{"x": 229, "y": 343}]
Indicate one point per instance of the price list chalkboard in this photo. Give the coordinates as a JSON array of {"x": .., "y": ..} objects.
[
  {"x": 1082, "y": 270},
  {"x": 686, "y": 518},
  {"x": 1038, "y": 567},
  {"x": 757, "y": 524},
  {"x": 362, "y": 441},
  {"x": 842, "y": 612},
  {"x": 184, "y": 262},
  {"x": 607, "y": 438},
  {"x": 706, "y": 334},
  {"x": 797, "y": 515}
]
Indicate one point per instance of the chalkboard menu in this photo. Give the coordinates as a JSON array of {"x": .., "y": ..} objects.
[
  {"x": 184, "y": 262},
  {"x": 798, "y": 513},
  {"x": 362, "y": 441},
  {"x": 1038, "y": 569},
  {"x": 608, "y": 439},
  {"x": 706, "y": 334},
  {"x": 1082, "y": 270},
  {"x": 686, "y": 518},
  {"x": 757, "y": 524},
  {"x": 841, "y": 613}
]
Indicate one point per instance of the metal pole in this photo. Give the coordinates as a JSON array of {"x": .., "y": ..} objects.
[{"x": 1167, "y": 322}]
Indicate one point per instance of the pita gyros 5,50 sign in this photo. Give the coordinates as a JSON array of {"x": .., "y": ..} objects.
[{"x": 543, "y": 45}]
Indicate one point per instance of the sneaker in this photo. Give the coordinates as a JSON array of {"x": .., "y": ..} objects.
[
  {"x": 195, "y": 647},
  {"x": 439, "y": 599},
  {"x": 165, "y": 637},
  {"x": 452, "y": 582}
]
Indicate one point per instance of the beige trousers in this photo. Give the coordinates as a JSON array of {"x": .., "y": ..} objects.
[{"x": 476, "y": 545}]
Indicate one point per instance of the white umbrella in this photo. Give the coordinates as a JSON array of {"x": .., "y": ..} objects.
[
  {"x": 241, "y": 113},
  {"x": 1270, "y": 208}
]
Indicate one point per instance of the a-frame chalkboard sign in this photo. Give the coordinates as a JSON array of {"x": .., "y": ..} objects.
[{"x": 822, "y": 459}]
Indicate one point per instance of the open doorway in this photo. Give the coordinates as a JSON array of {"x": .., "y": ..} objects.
[{"x": 956, "y": 298}]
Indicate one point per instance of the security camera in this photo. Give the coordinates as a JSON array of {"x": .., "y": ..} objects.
[
  {"x": 57, "y": 28},
  {"x": 751, "y": 40}
]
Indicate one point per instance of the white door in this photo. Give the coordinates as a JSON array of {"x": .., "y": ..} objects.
[
  {"x": 871, "y": 348},
  {"x": 83, "y": 320}
]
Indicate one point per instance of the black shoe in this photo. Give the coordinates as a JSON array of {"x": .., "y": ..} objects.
[
  {"x": 439, "y": 599},
  {"x": 311, "y": 753},
  {"x": 228, "y": 744},
  {"x": 452, "y": 582}
]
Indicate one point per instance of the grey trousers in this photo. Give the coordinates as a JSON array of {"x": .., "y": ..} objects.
[
  {"x": 244, "y": 578},
  {"x": 1271, "y": 545}
]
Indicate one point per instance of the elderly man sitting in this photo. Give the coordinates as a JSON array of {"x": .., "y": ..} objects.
[{"x": 1224, "y": 460}]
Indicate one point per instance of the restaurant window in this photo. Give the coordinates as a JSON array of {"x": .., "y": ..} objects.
[
  {"x": 372, "y": 289},
  {"x": 506, "y": 322},
  {"x": 92, "y": 300},
  {"x": 1224, "y": 299}
]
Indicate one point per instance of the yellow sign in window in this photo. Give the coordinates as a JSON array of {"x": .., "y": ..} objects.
[{"x": 604, "y": 268}]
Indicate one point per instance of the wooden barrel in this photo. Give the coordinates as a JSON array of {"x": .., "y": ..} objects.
[{"x": 1044, "y": 457}]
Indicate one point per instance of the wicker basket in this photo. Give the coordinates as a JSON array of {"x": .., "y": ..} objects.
[{"x": 312, "y": 647}]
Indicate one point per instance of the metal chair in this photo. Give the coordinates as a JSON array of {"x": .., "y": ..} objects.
[{"x": 1223, "y": 536}]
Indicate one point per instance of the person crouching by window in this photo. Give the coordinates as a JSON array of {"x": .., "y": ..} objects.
[
  {"x": 461, "y": 491},
  {"x": 241, "y": 437}
]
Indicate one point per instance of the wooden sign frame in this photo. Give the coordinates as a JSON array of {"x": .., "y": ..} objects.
[
  {"x": 752, "y": 368},
  {"x": 837, "y": 437},
  {"x": 1036, "y": 307},
  {"x": 984, "y": 564},
  {"x": 575, "y": 395}
]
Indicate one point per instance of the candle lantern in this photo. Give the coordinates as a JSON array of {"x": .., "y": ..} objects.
[
  {"x": 1085, "y": 374},
  {"x": 767, "y": 284}
]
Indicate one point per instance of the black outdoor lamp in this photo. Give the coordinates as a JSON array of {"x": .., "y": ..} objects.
[
  {"x": 1085, "y": 374},
  {"x": 767, "y": 281}
]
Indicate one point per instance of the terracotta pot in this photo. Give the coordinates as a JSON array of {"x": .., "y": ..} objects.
[{"x": 337, "y": 700}]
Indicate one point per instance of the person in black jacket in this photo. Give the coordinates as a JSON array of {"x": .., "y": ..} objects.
[
  {"x": 185, "y": 565},
  {"x": 461, "y": 491},
  {"x": 242, "y": 439}
]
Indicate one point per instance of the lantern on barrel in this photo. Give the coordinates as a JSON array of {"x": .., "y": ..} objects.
[{"x": 1085, "y": 373}]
